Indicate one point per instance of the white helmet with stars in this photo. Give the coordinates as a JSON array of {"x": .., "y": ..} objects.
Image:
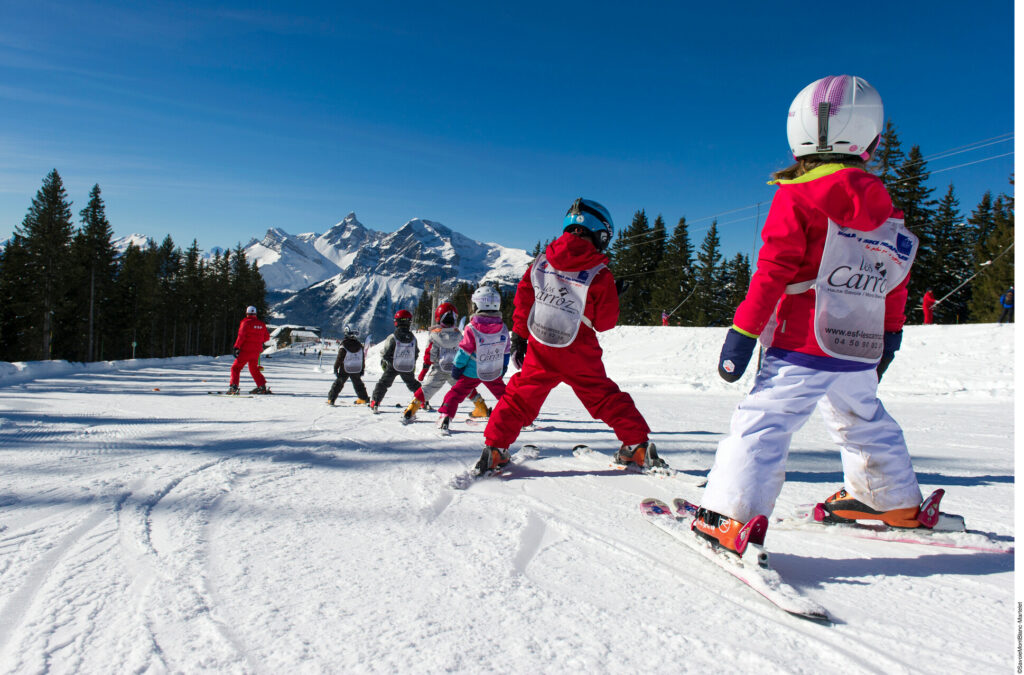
[{"x": 836, "y": 115}]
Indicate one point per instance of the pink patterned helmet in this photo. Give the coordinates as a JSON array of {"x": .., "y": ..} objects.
[{"x": 836, "y": 115}]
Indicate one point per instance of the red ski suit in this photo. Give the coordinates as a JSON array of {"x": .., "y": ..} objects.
[
  {"x": 927, "y": 302},
  {"x": 252, "y": 334},
  {"x": 578, "y": 364}
]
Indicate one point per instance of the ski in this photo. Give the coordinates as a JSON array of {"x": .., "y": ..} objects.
[
  {"x": 587, "y": 453},
  {"x": 224, "y": 393},
  {"x": 949, "y": 531},
  {"x": 752, "y": 568},
  {"x": 464, "y": 480}
]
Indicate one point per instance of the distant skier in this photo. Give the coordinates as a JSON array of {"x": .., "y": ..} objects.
[
  {"x": 927, "y": 303},
  {"x": 565, "y": 298},
  {"x": 828, "y": 301},
  {"x": 349, "y": 366},
  {"x": 397, "y": 359},
  {"x": 438, "y": 359},
  {"x": 1006, "y": 300},
  {"x": 664, "y": 318},
  {"x": 252, "y": 335},
  {"x": 482, "y": 357}
]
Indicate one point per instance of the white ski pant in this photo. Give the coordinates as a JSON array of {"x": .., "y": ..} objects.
[
  {"x": 750, "y": 464},
  {"x": 437, "y": 378}
]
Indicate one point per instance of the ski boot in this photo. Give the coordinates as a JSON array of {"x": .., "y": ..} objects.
[
  {"x": 410, "y": 413},
  {"x": 233, "y": 390},
  {"x": 480, "y": 409},
  {"x": 262, "y": 389},
  {"x": 644, "y": 455},
  {"x": 729, "y": 534},
  {"x": 330, "y": 401},
  {"x": 375, "y": 407},
  {"x": 442, "y": 424},
  {"x": 360, "y": 401},
  {"x": 842, "y": 508},
  {"x": 491, "y": 459}
]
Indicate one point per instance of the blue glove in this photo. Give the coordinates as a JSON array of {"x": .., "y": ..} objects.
[
  {"x": 889, "y": 348},
  {"x": 504, "y": 365},
  {"x": 457, "y": 372},
  {"x": 735, "y": 356}
]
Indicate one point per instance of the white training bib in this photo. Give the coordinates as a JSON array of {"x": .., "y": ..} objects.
[
  {"x": 490, "y": 353},
  {"x": 404, "y": 359},
  {"x": 857, "y": 271},
  {"x": 353, "y": 361},
  {"x": 446, "y": 357},
  {"x": 559, "y": 301}
]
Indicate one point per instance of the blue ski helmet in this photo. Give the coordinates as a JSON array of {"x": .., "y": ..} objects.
[{"x": 594, "y": 218}]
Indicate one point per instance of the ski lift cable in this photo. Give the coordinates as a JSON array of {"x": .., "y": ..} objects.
[
  {"x": 640, "y": 238},
  {"x": 977, "y": 145},
  {"x": 984, "y": 266}
]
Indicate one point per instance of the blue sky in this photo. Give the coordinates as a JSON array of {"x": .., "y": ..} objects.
[{"x": 218, "y": 121}]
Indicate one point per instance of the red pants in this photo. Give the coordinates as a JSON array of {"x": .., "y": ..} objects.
[
  {"x": 254, "y": 369},
  {"x": 929, "y": 316},
  {"x": 463, "y": 388},
  {"x": 543, "y": 370}
]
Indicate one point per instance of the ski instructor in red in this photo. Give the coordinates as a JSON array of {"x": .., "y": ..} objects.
[
  {"x": 567, "y": 297},
  {"x": 252, "y": 335}
]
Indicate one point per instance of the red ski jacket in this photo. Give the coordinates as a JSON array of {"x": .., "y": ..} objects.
[
  {"x": 252, "y": 334},
  {"x": 794, "y": 239},
  {"x": 570, "y": 253}
]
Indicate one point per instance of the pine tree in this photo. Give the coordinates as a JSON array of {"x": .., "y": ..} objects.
[
  {"x": 46, "y": 237},
  {"x": 675, "y": 277},
  {"x": 96, "y": 265},
  {"x": 16, "y": 309},
  {"x": 422, "y": 316},
  {"x": 950, "y": 259},
  {"x": 888, "y": 157},
  {"x": 628, "y": 264},
  {"x": 997, "y": 275},
  {"x": 707, "y": 298},
  {"x": 910, "y": 195},
  {"x": 735, "y": 283}
]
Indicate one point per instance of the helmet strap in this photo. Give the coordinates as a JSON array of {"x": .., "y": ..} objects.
[{"x": 823, "y": 109}]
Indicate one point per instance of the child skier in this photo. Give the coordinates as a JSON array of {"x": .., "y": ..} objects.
[
  {"x": 566, "y": 297},
  {"x": 482, "y": 357},
  {"x": 349, "y": 365},
  {"x": 438, "y": 359},
  {"x": 828, "y": 300},
  {"x": 252, "y": 335},
  {"x": 398, "y": 358}
]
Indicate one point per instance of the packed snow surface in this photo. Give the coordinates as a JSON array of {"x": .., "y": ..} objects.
[{"x": 146, "y": 526}]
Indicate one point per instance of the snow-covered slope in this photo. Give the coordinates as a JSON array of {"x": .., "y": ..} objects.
[
  {"x": 146, "y": 526},
  {"x": 353, "y": 276}
]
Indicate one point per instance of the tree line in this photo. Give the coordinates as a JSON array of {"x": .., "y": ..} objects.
[
  {"x": 67, "y": 293},
  {"x": 701, "y": 287}
]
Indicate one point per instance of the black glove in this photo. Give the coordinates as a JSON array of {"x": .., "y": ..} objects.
[
  {"x": 735, "y": 356},
  {"x": 621, "y": 286},
  {"x": 519, "y": 348},
  {"x": 891, "y": 346},
  {"x": 384, "y": 365},
  {"x": 457, "y": 373},
  {"x": 237, "y": 352}
]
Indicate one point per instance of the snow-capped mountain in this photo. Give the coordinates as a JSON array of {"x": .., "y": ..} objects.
[
  {"x": 353, "y": 276},
  {"x": 140, "y": 241}
]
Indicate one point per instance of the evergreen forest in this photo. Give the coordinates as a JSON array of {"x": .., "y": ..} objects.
[{"x": 67, "y": 293}]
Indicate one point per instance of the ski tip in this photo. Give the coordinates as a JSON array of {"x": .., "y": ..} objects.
[
  {"x": 655, "y": 507},
  {"x": 580, "y": 449}
]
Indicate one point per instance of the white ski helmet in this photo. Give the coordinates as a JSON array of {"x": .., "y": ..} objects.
[
  {"x": 836, "y": 115},
  {"x": 486, "y": 299}
]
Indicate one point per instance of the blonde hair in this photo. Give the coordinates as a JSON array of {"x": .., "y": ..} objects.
[{"x": 805, "y": 164}]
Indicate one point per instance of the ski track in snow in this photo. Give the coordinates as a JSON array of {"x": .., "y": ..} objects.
[{"x": 170, "y": 531}]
